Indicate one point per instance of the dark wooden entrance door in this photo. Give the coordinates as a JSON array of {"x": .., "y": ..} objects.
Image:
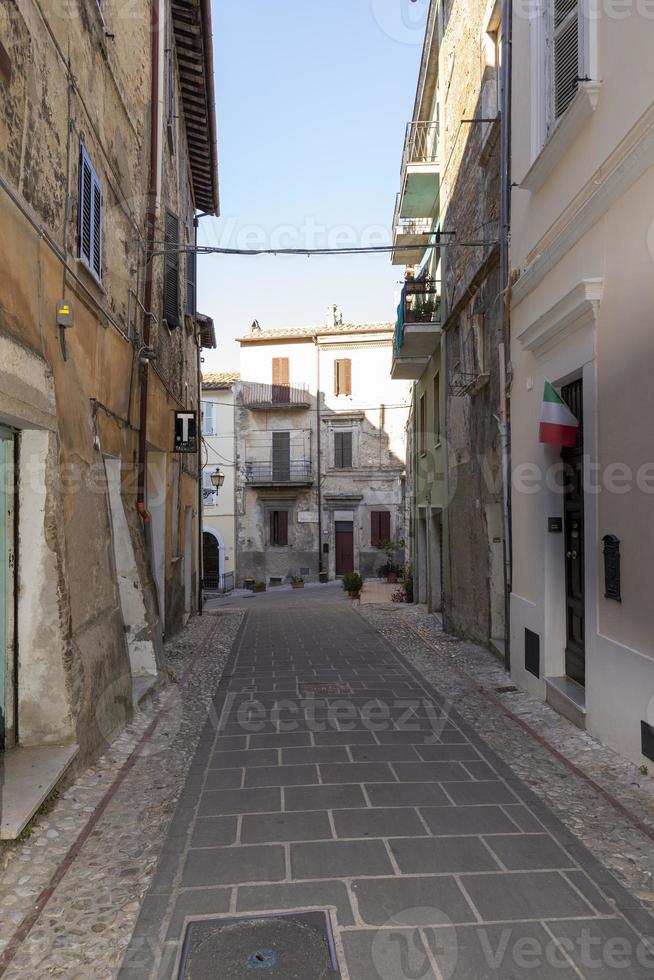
[
  {"x": 344, "y": 547},
  {"x": 575, "y": 599}
]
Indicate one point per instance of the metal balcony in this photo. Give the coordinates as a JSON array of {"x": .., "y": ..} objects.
[
  {"x": 268, "y": 396},
  {"x": 418, "y": 328},
  {"x": 417, "y": 203},
  {"x": 279, "y": 472}
]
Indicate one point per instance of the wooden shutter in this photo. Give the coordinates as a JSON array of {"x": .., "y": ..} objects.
[
  {"x": 281, "y": 456},
  {"x": 191, "y": 278},
  {"x": 374, "y": 528},
  {"x": 279, "y": 527},
  {"x": 91, "y": 218},
  {"x": 343, "y": 376},
  {"x": 171, "y": 271},
  {"x": 384, "y": 525},
  {"x": 343, "y": 450},
  {"x": 280, "y": 371},
  {"x": 565, "y": 54}
]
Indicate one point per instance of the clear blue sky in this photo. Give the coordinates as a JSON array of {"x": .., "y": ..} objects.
[{"x": 312, "y": 100}]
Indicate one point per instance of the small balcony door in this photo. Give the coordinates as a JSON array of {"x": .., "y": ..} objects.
[
  {"x": 281, "y": 457},
  {"x": 280, "y": 380}
]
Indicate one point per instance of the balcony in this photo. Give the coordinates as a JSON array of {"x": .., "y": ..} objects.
[
  {"x": 418, "y": 328},
  {"x": 279, "y": 472},
  {"x": 417, "y": 202},
  {"x": 264, "y": 397}
]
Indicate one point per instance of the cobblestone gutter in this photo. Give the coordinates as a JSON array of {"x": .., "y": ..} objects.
[
  {"x": 87, "y": 921},
  {"x": 456, "y": 667}
]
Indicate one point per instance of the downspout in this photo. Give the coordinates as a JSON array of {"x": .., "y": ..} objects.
[
  {"x": 504, "y": 346},
  {"x": 151, "y": 217},
  {"x": 318, "y": 456}
]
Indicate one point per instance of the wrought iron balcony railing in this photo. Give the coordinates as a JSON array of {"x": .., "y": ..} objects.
[
  {"x": 278, "y": 471},
  {"x": 256, "y": 395},
  {"x": 420, "y": 144}
]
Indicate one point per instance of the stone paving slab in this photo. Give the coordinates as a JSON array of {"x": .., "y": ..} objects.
[{"x": 429, "y": 853}]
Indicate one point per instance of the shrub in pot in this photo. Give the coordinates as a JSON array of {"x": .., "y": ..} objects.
[
  {"x": 353, "y": 583},
  {"x": 258, "y": 587},
  {"x": 297, "y": 582}
]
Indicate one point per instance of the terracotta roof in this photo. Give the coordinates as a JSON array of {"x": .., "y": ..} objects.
[
  {"x": 217, "y": 382},
  {"x": 288, "y": 333}
]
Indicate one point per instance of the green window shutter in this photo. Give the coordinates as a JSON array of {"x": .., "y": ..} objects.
[
  {"x": 191, "y": 280},
  {"x": 171, "y": 271},
  {"x": 343, "y": 450}
]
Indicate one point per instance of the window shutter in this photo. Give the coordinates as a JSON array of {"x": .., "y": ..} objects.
[
  {"x": 566, "y": 54},
  {"x": 191, "y": 278},
  {"x": 374, "y": 529},
  {"x": 384, "y": 526},
  {"x": 171, "y": 271},
  {"x": 347, "y": 376},
  {"x": 343, "y": 450},
  {"x": 283, "y": 527},
  {"x": 91, "y": 206},
  {"x": 280, "y": 371},
  {"x": 281, "y": 456}
]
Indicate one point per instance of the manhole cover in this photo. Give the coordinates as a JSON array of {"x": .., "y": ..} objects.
[
  {"x": 335, "y": 690},
  {"x": 289, "y": 947}
]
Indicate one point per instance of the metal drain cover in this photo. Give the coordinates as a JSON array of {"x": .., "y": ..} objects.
[
  {"x": 288, "y": 947},
  {"x": 338, "y": 689}
]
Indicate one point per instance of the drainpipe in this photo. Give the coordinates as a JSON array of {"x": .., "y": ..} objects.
[
  {"x": 504, "y": 346},
  {"x": 200, "y": 562},
  {"x": 318, "y": 456},
  {"x": 151, "y": 218}
]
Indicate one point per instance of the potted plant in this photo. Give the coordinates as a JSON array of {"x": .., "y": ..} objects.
[
  {"x": 390, "y": 569},
  {"x": 297, "y": 582},
  {"x": 353, "y": 583},
  {"x": 248, "y": 582},
  {"x": 258, "y": 587},
  {"x": 323, "y": 576}
]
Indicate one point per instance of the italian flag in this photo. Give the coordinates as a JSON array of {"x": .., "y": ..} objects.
[{"x": 558, "y": 426}]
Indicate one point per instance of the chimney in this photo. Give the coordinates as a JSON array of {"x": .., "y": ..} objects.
[
  {"x": 255, "y": 328},
  {"x": 334, "y": 316}
]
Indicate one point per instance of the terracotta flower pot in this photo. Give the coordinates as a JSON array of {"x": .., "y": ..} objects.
[
  {"x": 354, "y": 595},
  {"x": 297, "y": 585},
  {"x": 391, "y": 578}
]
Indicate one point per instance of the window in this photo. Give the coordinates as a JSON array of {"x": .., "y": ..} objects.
[
  {"x": 278, "y": 527},
  {"x": 422, "y": 424},
  {"x": 343, "y": 450},
  {"x": 171, "y": 270},
  {"x": 380, "y": 527},
  {"x": 208, "y": 418},
  {"x": 436, "y": 387},
  {"x": 280, "y": 379},
  {"x": 91, "y": 215},
  {"x": 208, "y": 489},
  {"x": 565, "y": 55},
  {"x": 191, "y": 278},
  {"x": 343, "y": 376}
]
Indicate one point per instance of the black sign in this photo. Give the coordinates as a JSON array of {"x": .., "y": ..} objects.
[
  {"x": 612, "y": 567},
  {"x": 555, "y": 525},
  {"x": 186, "y": 432}
]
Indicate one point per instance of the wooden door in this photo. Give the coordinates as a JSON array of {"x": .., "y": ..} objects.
[
  {"x": 344, "y": 547},
  {"x": 575, "y": 592}
]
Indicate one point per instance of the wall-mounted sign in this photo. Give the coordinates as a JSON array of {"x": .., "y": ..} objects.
[
  {"x": 555, "y": 525},
  {"x": 307, "y": 517},
  {"x": 64, "y": 313},
  {"x": 186, "y": 432},
  {"x": 612, "y": 567}
]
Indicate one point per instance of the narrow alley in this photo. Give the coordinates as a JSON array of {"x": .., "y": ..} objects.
[{"x": 338, "y": 814}]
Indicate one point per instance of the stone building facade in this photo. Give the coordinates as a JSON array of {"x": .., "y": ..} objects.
[
  {"x": 107, "y": 149},
  {"x": 219, "y": 504},
  {"x": 321, "y": 447},
  {"x": 449, "y": 331}
]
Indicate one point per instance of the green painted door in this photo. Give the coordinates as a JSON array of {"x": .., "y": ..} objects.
[{"x": 6, "y": 573}]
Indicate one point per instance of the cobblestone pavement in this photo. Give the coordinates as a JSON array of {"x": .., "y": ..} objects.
[
  {"x": 333, "y": 776},
  {"x": 459, "y": 669},
  {"x": 87, "y": 921}
]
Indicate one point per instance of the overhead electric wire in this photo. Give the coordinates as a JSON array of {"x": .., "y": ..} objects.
[{"x": 308, "y": 252}]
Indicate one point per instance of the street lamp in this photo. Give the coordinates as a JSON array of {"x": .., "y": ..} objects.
[{"x": 217, "y": 478}]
